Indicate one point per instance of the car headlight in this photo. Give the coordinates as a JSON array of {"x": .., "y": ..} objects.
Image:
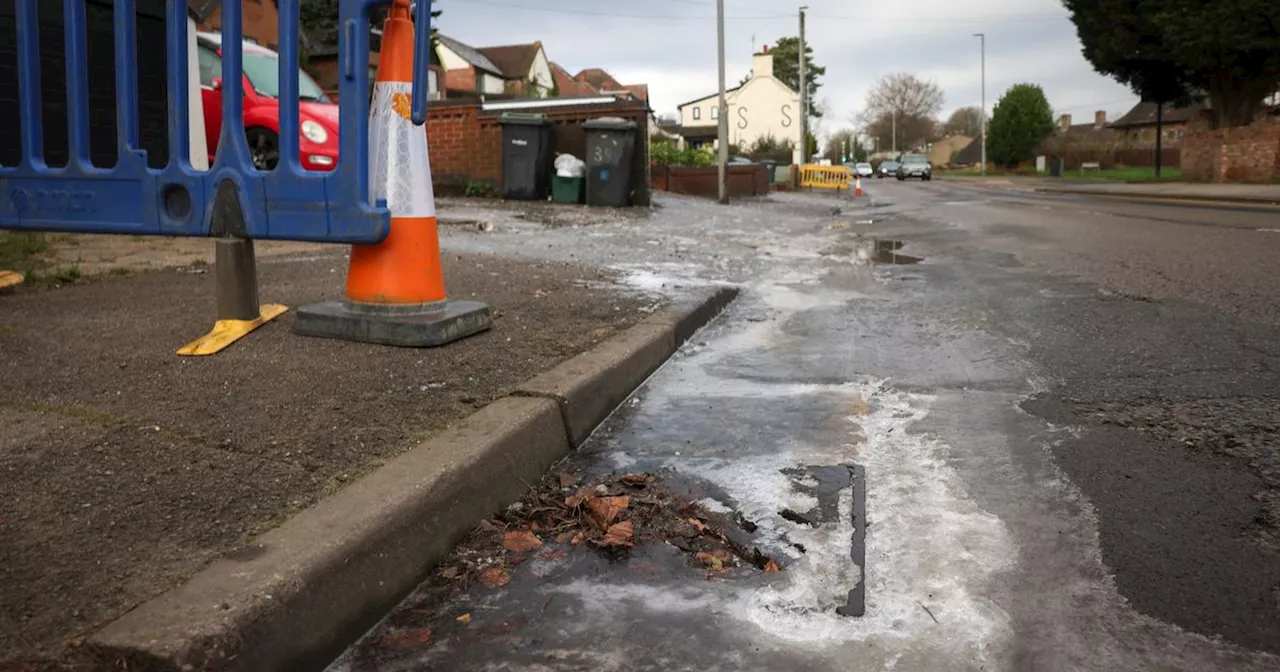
[{"x": 314, "y": 132}]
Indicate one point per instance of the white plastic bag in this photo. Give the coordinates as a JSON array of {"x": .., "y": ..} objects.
[{"x": 568, "y": 165}]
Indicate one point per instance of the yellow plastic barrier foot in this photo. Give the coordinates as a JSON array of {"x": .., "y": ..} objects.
[
  {"x": 10, "y": 279},
  {"x": 226, "y": 332}
]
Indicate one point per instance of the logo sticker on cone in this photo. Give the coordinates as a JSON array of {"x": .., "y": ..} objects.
[{"x": 395, "y": 289}]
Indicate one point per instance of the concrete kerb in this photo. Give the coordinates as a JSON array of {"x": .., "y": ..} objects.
[
  {"x": 590, "y": 386},
  {"x": 301, "y": 593},
  {"x": 1149, "y": 196}
]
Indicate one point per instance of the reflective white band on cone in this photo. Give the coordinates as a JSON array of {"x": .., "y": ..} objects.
[{"x": 399, "y": 168}]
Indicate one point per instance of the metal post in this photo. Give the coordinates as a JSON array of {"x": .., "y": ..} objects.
[
  {"x": 983, "y": 117},
  {"x": 893, "y": 119},
  {"x": 237, "y": 279},
  {"x": 804, "y": 97},
  {"x": 722, "y": 132}
]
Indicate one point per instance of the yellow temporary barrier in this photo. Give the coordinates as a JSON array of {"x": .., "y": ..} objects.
[{"x": 825, "y": 177}]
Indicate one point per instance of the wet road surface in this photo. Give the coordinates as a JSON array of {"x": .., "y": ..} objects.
[{"x": 1067, "y": 412}]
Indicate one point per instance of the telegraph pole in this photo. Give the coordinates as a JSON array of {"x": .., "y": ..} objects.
[
  {"x": 983, "y": 117},
  {"x": 804, "y": 97},
  {"x": 893, "y": 120},
  {"x": 722, "y": 132}
]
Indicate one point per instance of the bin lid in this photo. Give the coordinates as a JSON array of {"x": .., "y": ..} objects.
[
  {"x": 523, "y": 119},
  {"x": 610, "y": 124}
]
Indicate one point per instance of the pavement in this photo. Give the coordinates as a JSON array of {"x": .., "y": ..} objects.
[
  {"x": 1247, "y": 194},
  {"x": 127, "y": 469},
  {"x": 1065, "y": 407}
]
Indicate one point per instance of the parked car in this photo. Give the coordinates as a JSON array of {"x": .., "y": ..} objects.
[
  {"x": 863, "y": 169},
  {"x": 888, "y": 169},
  {"x": 915, "y": 165},
  {"x": 317, "y": 116}
]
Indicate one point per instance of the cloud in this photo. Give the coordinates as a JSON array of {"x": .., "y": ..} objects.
[{"x": 671, "y": 45}]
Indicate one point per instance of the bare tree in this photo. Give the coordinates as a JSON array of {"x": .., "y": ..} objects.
[
  {"x": 964, "y": 121},
  {"x": 900, "y": 111},
  {"x": 906, "y": 95},
  {"x": 906, "y": 133}
]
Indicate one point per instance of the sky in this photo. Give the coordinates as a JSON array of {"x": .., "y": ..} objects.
[{"x": 671, "y": 46}]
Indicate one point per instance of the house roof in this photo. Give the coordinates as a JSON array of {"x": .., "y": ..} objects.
[
  {"x": 470, "y": 54},
  {"x": 567, "y": 85},
  {"x": 199, "y": 10},
  {"x": 709, "y": 95},
  {"x": 972, "y": 153},
  {"x": 515, "y": 60},
  {"x": 600, "y": 80},
  {"x": 640, "y": 91},
  {"x": 1144, "y": 114}
]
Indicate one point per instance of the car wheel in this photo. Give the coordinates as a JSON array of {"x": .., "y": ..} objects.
[
  {"x": 264, "y": 148},
  {"x": 902, "y": 179}
]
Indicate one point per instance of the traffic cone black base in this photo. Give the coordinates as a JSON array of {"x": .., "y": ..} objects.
[{"x": 410, "y": 326}]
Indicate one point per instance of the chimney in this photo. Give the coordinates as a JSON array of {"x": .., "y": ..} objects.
[
  {"x": 1064, "y": 122},
  {"x": 762, "y": 64},
  {"x": 1100, "y": 119}
]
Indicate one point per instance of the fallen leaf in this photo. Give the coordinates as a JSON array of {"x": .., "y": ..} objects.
[
  {"x": 697, "y": 524},
  {"x": 604, "y": 510},
  {"x": 518, "y": 542},
  {"x": 577, "y": 539},
  {"x": 716, "y": 561},
  {"x": 495, "y": 577},
  {"x": 564, "y": 537},
  {"x": 771, "y": 567},
  {"x": 574, "y": 501},
  {"x": 551, "y": 554},
  {"x": 409, "y": 637},
  {"x": 636, "y": 479},
  {"x": 567, "y": 480},
  {"x": 619, "y": 534},
  {"x": 465, "y": 619},
  {"x": 449, "y": 572}
]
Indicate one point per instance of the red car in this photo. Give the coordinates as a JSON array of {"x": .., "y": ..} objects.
[{"x": 318, "y": 116}]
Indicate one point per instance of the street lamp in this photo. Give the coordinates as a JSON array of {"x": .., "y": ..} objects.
[{"x": 983, "y": 117}]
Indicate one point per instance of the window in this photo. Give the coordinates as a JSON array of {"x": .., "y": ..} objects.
[
  {"x": 210, "y": 66},
  {"x": 715, "y": 112},
  {"x": 697, "y": 113},
  {"x": 263, "y": 71}
]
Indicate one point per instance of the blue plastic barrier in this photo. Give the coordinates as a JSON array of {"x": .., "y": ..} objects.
[{"x": 287, "y": 203}]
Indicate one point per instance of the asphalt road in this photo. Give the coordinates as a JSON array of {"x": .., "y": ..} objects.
[{"x": 1067, "y": 409}]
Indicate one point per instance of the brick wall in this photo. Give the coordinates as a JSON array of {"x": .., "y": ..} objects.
[
  {"x": 466, "y": 143},
  {"x": 462, "y": 79},
  {"x": 261, "y": 21},
  {"x": 1243, "y": 154}
]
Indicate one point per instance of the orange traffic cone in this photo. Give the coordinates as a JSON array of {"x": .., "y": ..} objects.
[
  {"x": 395, "y": 289},
  {"x": 857, "y": 186}
]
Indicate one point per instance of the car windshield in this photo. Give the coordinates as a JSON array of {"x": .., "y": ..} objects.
[
  {"x": 263, "y": 71},
  {"x": 914, "y": 159},
  {"x": 864, "y": 165}
]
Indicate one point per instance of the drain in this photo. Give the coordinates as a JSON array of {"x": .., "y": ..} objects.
[{"x": 827, "y": 483}]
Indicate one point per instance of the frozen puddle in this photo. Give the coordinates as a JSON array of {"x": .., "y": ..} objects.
[{"x": 930, "y": 550}]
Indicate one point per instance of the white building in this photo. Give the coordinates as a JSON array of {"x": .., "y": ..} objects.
[{"x": 762, "y": 106}]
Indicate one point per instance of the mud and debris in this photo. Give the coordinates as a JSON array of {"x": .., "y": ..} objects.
[{"x": 610, "y": 515}]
